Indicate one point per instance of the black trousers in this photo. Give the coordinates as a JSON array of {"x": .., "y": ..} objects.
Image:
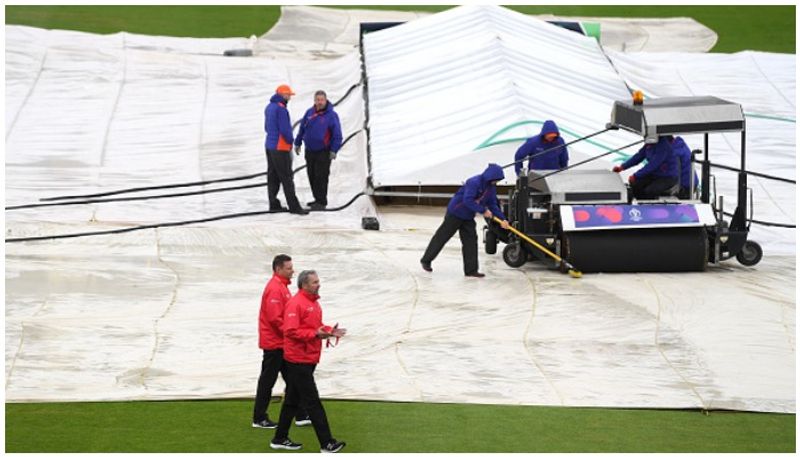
[
  {"x": 301, "y": 392},
  {"x": 279, "y": 173},
  {"x": 650, "y": 187},
  {"x": 469, "y": 241},
  {"x": 271, "y": 365},
  {"x": 318, "y": 166}
]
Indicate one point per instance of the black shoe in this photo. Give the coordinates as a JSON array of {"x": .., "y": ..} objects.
[
  {"x": 332, "y": 446},
  {"x": 426, "y": 266},
  {"x": 477, "y": 274},
  {"x": 317, "y": 206},
  {"x": 266, "y": 423},
  {"x": 311, "y": 203},
  {"x": 287, "y": 444},
  {"x": 299, "y": 211},
  {"x": 277, "y": 208},
  {"x": 302, "y": 421}
]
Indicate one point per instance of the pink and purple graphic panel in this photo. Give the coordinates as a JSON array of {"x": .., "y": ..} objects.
[{"x": 609, "y": 216}]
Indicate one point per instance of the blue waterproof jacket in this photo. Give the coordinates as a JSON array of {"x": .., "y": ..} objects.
[
  {"x": 684, "y": 154},
  {"x": 477, "y": 195},
  {"x": 661, "y": 161},
  {"x": 277, "y": 125},
  {"x": 553, "y": 160},
  {"x": 320, "y": 130}
]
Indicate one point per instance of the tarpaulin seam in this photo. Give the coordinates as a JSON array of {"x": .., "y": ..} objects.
[
  {"x": 407, "y": 330},
  {"x": 114, "y": 107},
  {"x": 534, "y": 302},
  {"x": 200, "y": 133},
  {"x": 661, "y": 351},
  {"x": 28, "y": 95},
  {"x": 16, "y": 355},
  {"x": 758, "y": 67},
  {"x": 146, "y": 369}
]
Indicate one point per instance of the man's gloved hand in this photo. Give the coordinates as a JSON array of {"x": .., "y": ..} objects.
[
  {"x": 333, "y": 155},
  {"x": 504, "y": 224},
  {"x": 617, "y": 168},
  {"x": 487, "y": 214},
  {"x": 631, "y": 179}
]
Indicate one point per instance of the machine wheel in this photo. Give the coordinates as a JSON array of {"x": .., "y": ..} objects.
[
  {"x": 750, "y": 254},
  {"x": 490, "y": 242},
  {"x": 515, "y": 255}
]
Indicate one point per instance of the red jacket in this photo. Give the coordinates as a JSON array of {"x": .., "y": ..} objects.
[
  {"x": 301, "y": 320},
  {"x": 270, "y": 318}
]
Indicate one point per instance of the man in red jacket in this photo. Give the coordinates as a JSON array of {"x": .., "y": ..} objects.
[
  {"x": 303, "y": 332},
  {"x": 270, "y": 339}
]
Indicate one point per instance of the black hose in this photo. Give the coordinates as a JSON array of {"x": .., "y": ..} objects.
[
  {"x": 195, "y": 183},
  {"x": 164, "y": 186},
  {"x": 149, "y": 197},
  {"x": 559, "y": 146},
  {"x": 169, "y": 224},
  {"x": 754, "y": 173},
  {"x": 765, "y": 223},
  {"x": 586, "y": 161},
  {"x": 129, "y": 199}
]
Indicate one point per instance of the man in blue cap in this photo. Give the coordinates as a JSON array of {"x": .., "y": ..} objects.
[{"x": 477, "y": 195}]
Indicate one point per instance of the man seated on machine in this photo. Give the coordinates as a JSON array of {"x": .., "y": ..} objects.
[
  {"x": 659, "y": 176},
  {"x": 684, "y": 154}
]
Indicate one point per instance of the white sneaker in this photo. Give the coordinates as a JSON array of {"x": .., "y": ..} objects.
[{"x": 287, "y": 444}]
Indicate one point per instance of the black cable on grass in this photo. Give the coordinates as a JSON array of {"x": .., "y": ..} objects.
[
  {"x": 150, "y": 197},
  {"x": 171, "y": 224}
]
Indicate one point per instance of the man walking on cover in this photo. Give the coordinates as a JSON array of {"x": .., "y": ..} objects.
[{"x": 303, "y": 332}]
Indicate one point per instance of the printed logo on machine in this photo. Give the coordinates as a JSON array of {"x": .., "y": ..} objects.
[{"x": 630, "y": 215}]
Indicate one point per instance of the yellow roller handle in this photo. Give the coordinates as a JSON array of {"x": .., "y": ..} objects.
[{"x": 572, "y": 271}]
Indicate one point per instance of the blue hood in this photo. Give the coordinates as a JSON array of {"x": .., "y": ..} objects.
[
  {"x": 277, "y": 98},
  {"x": 549, "y": 127},
  {"x": 493, "y": 172}
]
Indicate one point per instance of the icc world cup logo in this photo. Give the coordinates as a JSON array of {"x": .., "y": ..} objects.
[{"x": 635, "y": 215}]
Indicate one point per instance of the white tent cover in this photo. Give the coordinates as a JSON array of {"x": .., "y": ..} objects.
[{"x": 171, "y": 313}]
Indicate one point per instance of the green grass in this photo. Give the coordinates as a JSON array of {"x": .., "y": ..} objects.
[
  {"x": 184, "y": 21},
  {"x": 224, "y": 426},
  {"x": 761, "y": 28}
]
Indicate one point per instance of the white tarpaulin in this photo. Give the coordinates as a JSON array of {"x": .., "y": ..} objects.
[
  {"x": 444, "y": 87},
  {"x": 171, "y": 312}
]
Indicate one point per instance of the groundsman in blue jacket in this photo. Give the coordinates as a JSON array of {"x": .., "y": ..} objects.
[
  {"x": 548, "y": 138},
  {"x": 322, "y": 133},
  {"x": 477, "y": 195},
  {"x": 658, "y": 175},
  {"x": 684, "y": 155},
  {"x": 278, "y": 145}
]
